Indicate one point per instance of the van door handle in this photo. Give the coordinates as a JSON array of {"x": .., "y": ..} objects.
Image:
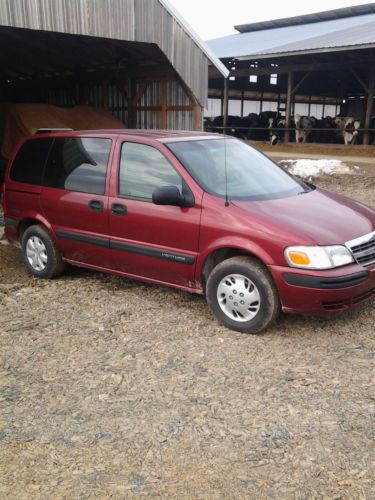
[
  {"x": 95, "y": 205},
  {"x": 118, "y": 209}
]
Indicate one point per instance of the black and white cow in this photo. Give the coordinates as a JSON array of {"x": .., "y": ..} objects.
[
  {"x": 347, "y": 128},
  {"x": 277, "y": 126}
]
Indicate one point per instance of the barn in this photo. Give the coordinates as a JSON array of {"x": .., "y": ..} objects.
[
  {"x": 135, "y": 58},
  {"x": 317, "y": 65}
]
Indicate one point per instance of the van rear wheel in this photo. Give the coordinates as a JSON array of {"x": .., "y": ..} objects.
[
  {"x": 40, "y": 255},
  {"x": 242, "y": 295}
]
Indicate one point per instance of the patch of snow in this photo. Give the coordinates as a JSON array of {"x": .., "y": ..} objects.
[{"x": 310, "y": 169}]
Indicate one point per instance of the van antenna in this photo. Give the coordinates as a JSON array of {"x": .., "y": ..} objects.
[{"x": 226, "y": 170}]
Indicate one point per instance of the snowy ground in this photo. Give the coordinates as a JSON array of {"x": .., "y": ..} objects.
[{"x": 311, "y": 169}]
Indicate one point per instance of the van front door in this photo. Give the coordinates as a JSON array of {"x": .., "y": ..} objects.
[{"x": 156, "y": 242}]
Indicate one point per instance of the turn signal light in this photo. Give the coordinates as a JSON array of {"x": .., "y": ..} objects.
[{"x": 299, "y": 258}]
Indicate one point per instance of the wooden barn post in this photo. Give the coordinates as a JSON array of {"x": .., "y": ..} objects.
[
  {"x": 288, "y": 105},
  {"x": 369, "y": 106}
]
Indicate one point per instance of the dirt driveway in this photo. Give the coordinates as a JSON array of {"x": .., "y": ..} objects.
[{"x": 115, "y": 389}]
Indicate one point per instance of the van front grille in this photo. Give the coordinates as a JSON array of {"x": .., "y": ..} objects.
[{"x": 363, "y": 249}]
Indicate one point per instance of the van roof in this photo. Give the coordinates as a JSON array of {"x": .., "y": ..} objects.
[{"x": 161, "y": 135}]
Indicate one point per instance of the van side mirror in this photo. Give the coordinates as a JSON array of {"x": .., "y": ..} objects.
[{"x": 170, "y": 195}]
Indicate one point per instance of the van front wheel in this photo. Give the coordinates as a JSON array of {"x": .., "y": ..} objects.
[
  {"x": 40, "y": 255},
  {"x": 242, "y": 295}
]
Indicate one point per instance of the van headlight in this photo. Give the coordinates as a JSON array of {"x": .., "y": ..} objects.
[{"x": 318, "y": 257}]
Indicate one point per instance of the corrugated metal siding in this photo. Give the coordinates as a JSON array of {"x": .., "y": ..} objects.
[
  {"x": 180, "y": 120},
  {"x": 176, "y": 120},
  {"x": 151, "y": 97},
  {"x": 60, "y": 97},
  {"x": 176, "y": 95},
  {"x": 118, "y": 104},
  {"x": 132, "y": 20}
]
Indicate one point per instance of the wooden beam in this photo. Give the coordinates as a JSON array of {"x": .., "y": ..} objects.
[
  {"x": 288, "y": 109},
  {"x": 294, "y": 90},
  {"x": 362, "y": 83},
  {"x": 197, "y": 115},
  {"x": 159, "y": 107},
  {"x": 286, "y": 68},
  {"x": 142, "y": 89},
  {"x": 369, "y": 106}
]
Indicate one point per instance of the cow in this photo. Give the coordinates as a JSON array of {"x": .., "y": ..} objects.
[
  {"x": 304, "y": 126},
  {"x": 233, "y": 122},
  {"x": 207, "y": 123},
  {"x": 276, "y": 126},
  {"x": 251, "y": 123},
  {"x": 347, "y": 128},
  {"x": 326, "y": 130}
]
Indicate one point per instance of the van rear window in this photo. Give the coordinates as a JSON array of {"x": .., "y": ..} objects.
[
  {"x": 28, "y": 165},
  {"x": 78, "y": 164}
]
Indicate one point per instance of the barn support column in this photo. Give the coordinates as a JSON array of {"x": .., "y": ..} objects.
[
  {"x": 225, "y": 104},
  {"x": 369, "y": 106},
  {"x": 369, "y": 89},
  {"x": 197, "y": 117},
  {"x": 163, "y": 102},
  {"x": 288, "y": 108}
]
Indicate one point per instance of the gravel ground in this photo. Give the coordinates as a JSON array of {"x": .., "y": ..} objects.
[{"x": 115, "y": 389}]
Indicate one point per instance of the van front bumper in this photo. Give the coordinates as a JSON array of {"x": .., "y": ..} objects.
[{"x": 323, "y": 292}]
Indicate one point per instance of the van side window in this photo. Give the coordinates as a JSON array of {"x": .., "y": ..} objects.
[
  {"x": 78, "y": 164},
  {"x": 142, "y": 169},
  {"x": 29, "y": 162}
]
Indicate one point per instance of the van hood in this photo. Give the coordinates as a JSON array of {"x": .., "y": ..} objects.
[{"x": 321, "y": 216}]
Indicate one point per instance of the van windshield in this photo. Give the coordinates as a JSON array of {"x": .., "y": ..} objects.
[{"x": 249, "y": 174}]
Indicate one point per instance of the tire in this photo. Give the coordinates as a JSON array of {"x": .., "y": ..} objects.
[
  {"x": 40, "y": 255},
  {"x": 242, "y": 295}
]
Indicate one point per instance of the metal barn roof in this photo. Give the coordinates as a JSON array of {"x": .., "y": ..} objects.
[
  {"x": 322, "y": 32},
  {"x": 147, "y": 21}
]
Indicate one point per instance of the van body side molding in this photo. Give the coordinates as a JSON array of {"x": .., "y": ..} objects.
[
  {"x": 181, "y": 258},
  {"x": 85, "y": 238}
]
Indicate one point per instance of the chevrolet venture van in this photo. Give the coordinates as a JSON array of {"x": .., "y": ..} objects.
[{"x": 200, "y": 212}]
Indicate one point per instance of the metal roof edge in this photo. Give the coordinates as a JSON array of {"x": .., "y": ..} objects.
[
  {"x": 196, "y": 38},
  {"x": 321, "y": 50},
  {"x": 315, "y": 17}
]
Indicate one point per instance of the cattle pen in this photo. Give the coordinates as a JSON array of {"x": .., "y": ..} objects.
[{"x": 318, "y": 66}]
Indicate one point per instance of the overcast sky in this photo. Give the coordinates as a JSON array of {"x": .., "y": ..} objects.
[{"x": 216, "y": 18}]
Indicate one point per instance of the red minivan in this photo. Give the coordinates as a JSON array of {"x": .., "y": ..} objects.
[{"x": 200, "y": 212}]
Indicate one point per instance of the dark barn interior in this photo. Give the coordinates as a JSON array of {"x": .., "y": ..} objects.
[{"x": 68, "y": 70}]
